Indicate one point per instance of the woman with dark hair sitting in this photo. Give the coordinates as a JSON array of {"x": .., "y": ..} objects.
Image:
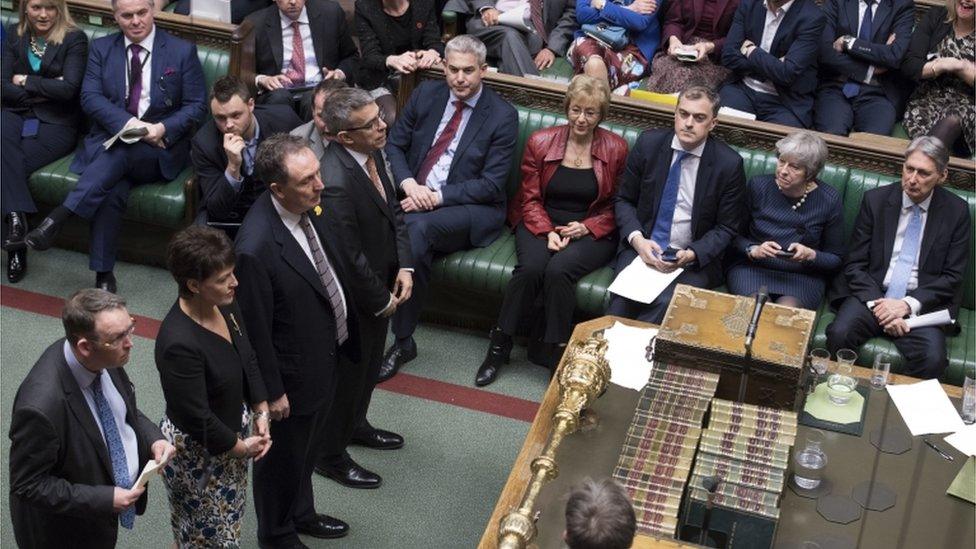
[
  {"x": 563, "y": 220},
  {"x": 213, "y": 390}
]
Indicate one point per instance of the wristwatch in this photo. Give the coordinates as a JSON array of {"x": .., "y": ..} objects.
[{"x": 848, "y": 42}]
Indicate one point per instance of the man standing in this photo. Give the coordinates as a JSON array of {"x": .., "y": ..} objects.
[
  {"x": 680, "y": 203},
  {"x": 904, "y": 261},
  {"x": 293, "y": 296},
  {"x": 360, "y": 202},
  {"x": 224, "y": 150},
  {"x": 77, "y": 440},
  {"x": 450, "y": 152},
  {"x": 144, "y": 78}
]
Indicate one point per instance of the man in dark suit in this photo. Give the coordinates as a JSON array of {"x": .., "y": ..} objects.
[
  {"x": 908, "y": 254},
  {"x": 683, "y": 192},
  {"x": 861, "y": 87},
  {"x": 144, "y": 78},
  {"x": 224, "y": 149},
  {"x": 361, "y": 204},
  {"x": 547, "y": 31},
  {"x": 300, "y": 317},
  {"x": 291, "y": 65},
  {"x": 772, "y": 49},
  {"x": 77, "y": 440},
  {"x": 450, "y": 151}
]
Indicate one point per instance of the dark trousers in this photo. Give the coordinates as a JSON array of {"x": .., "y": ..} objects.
[
  {"x": 924, "y": 349},
  {"x": 299, "y": 100},
  {"x": 514, "y": 49},
  {"x": 652, "y": 312},
  {"x": 21, "y": 156},
  {"x": 556, "y": 275},
  {"x": 283, "y": 479},
  {"x": 869, "y": 111},
  {"x": 354, "y": 390},
  {"x": 103, "y": 191},
  {"x": 440, "y": 231},
  {"x": 766, "y": 107}
]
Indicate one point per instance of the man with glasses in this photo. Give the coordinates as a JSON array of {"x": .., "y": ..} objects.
[
  {"x": 360, "y": 201},
  {"x": 78, "y": 442}
]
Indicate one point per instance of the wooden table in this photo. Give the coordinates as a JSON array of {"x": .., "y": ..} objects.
[{"x": 538, "y": 433}]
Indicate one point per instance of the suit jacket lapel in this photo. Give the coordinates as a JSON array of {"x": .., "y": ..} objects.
[
  {"x": 933, "y": 227},
  {"x": 122, "y": 58},
  {"x": 274, "y": 36},
  {"x": 475, "y": 122},
  {"x": 758, "y": 21},
  {"x": 363, "y": 180},
  {"x": 83, "y": 414},
  {"x": 881, "y": 12},
  {"x": 157, "y": 60},
  {"x": 786, "y": 26},
  {"x": 291, "y": 252},
  {"x": 702, "y": 182},
  {"x": 124, "y": 386},
  {"x": 851, "y": 7},
  {"x": 662, "y": 167},
  {"x": 50, "y": 52},
  {"x": 891, "y": 214},
  {"x": 318, "y": 42},
  {"x": 425, "y": 137}
]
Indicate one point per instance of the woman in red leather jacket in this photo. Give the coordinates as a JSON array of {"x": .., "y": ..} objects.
[{"x": 563, "y": 220}]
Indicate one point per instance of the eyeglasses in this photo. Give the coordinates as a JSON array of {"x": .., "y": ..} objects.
[
  {"x": 373, "y": 124},
  {"x": 119, "y": 339},
  {"x": 590, "y": 114}
]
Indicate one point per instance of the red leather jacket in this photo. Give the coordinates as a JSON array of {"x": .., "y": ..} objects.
[{"x": 543, "y": 154}]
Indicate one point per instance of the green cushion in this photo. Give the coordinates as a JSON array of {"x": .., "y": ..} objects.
[{"x": 560, "y": 70}]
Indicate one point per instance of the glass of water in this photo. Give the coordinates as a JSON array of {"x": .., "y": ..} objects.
[
  {"x": 879, "y": 374},
  {"x": 968, "y": 411},
  {"x": 819, "y": 360},
  {"x": 809, "y": 461},
  {"x": 846, "y": 356},
  {"x": 841, "y": 384}
]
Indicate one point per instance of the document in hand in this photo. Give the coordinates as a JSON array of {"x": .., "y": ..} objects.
[
  {"x": 937, "y": 318},
  {"x": 514, "y": 18},
  {"x": 151, "y": 467},
  {"x": 926, "y": 408},
  {"x": 641, "y": 282},
  {"x": 128, "y": 134}
]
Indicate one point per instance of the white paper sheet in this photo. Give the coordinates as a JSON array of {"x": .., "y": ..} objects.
[
  {"x": 729, "y": 111},
  {"x": 926, "y": 408},
  {"x": 514, "y": 18},
  {"x": 626, "y": 353},
  {"x": 640, "y": 282},
  {"x": 150, "y": 468},
  {"x": 964, "y": 440},
  {"x": 937, "y": 318}
]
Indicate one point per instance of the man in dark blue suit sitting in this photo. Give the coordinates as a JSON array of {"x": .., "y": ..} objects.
[
  {"x": 141, "y": 77},
  {"x": 772, "y": 49},
  {"x": 682, "y": 189},
  {"x": 450, "y": 152},
  {"x": 861, "y": 88}
]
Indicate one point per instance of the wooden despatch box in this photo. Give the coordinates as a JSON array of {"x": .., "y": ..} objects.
[{"x": 706, "y": 330}]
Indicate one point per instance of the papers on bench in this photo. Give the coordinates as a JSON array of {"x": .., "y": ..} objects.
[
  {"x": 216, "y": 10},
  {"x": 627, "y": 355},
  {"x": 641, "y": 282},
  {"x": 964, "y": 440},
  {"x": 926, "y": 408}
]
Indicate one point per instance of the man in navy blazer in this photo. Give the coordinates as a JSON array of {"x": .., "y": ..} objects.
[
  {"x": 861, "y": 87},
  {"x": 895, "y": 271},
  {"x": 697, "y": 183},
  {"x": 450, "y": 151},
  {"x": 772, "y": 49},
  {"x": 145, "y": 78}
]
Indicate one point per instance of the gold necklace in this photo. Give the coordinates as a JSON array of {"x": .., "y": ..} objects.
[{"x": 578, "y": 161}]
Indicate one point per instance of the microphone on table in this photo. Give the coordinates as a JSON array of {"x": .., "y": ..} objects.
[
  {"x": 710, "y": 484},
  {"x": 761, "y": 298}
]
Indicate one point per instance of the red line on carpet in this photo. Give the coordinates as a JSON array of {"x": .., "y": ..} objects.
[{"x": 402, "y": 383}]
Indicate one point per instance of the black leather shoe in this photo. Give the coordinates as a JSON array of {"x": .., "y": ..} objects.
[
  {"x": 42, "y": 237},
  {"x": 395, "y": 357},
  {"x": 16, "y": 232},
  {"x": 16, "y": 265},
  {"x": 378, "y": 439},
  {"x": 498, "y": 353},
  {"x": 350, "y": 474},
  {"x": 324, "y": 527},
  {"x": 106, "y": 281}
]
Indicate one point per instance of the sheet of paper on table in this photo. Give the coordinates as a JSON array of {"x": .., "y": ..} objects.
[
  {"x": 641, "y": 282},
  {"x": 627, "y": 355},
  {"x": 926, "y": 408},
  {"x": 964, "y": 440}
]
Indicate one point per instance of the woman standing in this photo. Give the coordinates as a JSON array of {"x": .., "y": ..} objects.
[
  {"x": 563, "y": 219},
  {"x": 41, "y": 72},
  {"x": 210, "y": 377}
]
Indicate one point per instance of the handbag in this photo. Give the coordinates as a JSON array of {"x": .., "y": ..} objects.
[{"x": 613, "y": 36}]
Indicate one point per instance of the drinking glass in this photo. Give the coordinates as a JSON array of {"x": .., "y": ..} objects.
[
  {"x": 841, "y": 384},
  {"x": 968, "y": 412},
  {"x": 809, "y": 461},
  {"x": 879, "y": 374},
  {"x": 846, "y": 356},
  {"x": 819, "y": 361}
]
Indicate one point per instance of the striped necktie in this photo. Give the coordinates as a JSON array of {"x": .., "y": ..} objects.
[{"x": 327, "y": 276}]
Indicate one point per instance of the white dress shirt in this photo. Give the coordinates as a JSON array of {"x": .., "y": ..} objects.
[
  {"x": 903, "y": 219},
  {"x": 773, "y": 21},
  {"x": 293, "y": 224},
  {"x": 85, "y": 378},
  {"x": 438, "y": 174},
  {"x": 147, "y": 46},
  {"x": 313, "y": 72}
]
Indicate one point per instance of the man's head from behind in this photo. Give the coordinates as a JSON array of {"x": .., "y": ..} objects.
[
  {"x": 320, "y": 97},
  {"x": 291, "y": 172},
  {"x": 353, "y": 119},
  {"x": 99, "y": 328},
  {"x": 232, "y": 105},
  {"x": 926, "y": 165},
  {"x": 135, "y": 18},
  {"x": 465, "y": 65},
  {"x": 695, "y": 115},
  {"x": 599, "y": 515}
]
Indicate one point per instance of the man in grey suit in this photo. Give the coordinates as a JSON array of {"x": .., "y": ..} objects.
[{"x": 545, "y": 33}]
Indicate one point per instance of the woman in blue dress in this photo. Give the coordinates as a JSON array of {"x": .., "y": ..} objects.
[{"x": 795, "y": 236}]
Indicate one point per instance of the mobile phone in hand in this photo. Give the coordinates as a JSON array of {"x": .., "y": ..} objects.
[
  {"x": 670, "y": 255},
  {"x": 785, "y": 254}
]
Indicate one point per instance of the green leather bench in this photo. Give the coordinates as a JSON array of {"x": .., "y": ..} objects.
[{"x": 480, "y": 275}]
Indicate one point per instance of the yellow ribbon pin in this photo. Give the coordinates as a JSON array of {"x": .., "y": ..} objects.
[{"x": 318, "y": 211}]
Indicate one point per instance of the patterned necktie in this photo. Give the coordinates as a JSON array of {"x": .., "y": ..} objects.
[
  {"x": 535, "y": 14},
  {"x": 248, "y": 160},
  {"x": 374, "y": 176},
  {"x": 296, "y": 67},
  {"x": 327, "y": 276},
  {"x": 441, "y": 143},
  {"x": 120, "y": 468},
  {"x": 669, "y": 199},
  {"x": 135, "y": 80},
  {"x": 852, "y": 88},
  {"x": 898, "y": 286}
]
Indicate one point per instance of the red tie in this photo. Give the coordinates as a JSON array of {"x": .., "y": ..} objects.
[
  {"x": 296, "y": 67},
  {"x": 441, "y": 144},
  {"x": 535, "y": 13}
]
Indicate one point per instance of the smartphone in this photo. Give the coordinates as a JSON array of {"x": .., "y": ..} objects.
[
  {"x": 670, "y": 255},
  {"x": 786, "y": 254}
]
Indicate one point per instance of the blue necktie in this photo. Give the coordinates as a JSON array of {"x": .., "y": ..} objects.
[
  {"x": 852, "y": 88},
  {"x": 669, "y": 199},
  {"x": 120, "y": 468},
  {"x": 898, "y": 285},
  {"x": 248, "y": 160}
]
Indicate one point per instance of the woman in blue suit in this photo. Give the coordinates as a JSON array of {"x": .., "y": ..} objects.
[{"x": 795, "y": 238}]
